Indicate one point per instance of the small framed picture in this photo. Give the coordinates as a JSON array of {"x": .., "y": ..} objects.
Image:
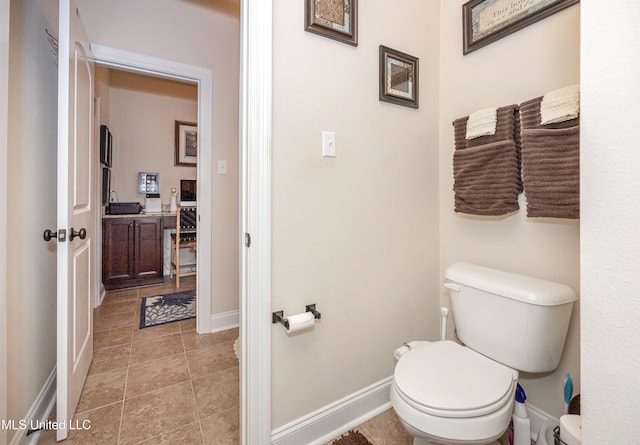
[
  {"x": 336, "y": 19},
  {"x": 186, "y": 143},
  {"x": 398, "y": 77}
]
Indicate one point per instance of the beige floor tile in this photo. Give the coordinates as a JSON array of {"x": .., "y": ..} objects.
[
  {"x": 110, "y": 320},
  {"x": 157, "y": 413},
  {"x": 112, "y": 337},
  {"x": 110, "y": 359},
  {"x": 120, "y": 296},
  {"x": 223, "y": 428},
  {"x": 165, "y": 346},
  {"x": 217, "y": 392},
  {"x": 102, "y": 389},
  {"x": 187, "y": 435},
  {"x": 187, "y": 325},
  {"x": 205, "y": 361},
  {"x": 156, "y": 374},
  {"x": 193, "y": 340}
]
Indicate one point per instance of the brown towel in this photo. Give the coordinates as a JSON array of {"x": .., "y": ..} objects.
[
  {"x": 550, "y": 164},
  {"x": 486, "y": 169}
]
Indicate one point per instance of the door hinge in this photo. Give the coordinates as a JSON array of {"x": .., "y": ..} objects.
[{"x": 247, "y": 240}]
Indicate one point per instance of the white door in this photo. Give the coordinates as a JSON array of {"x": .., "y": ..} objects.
[{"x": 76, "y": 212}]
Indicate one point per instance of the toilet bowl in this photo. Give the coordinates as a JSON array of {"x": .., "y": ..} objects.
[{"x": 445, "y": 393}]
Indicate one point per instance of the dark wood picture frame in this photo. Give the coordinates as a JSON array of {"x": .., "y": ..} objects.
[
  {"x": 485, "y": 21},
  {"x": 186, "y": 134},
  {"x": 106, "y": 185},
  {"x": 336, "y": 19},
  {"x": 398, "y": 77}
]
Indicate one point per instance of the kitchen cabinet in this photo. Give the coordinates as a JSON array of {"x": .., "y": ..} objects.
[{"x": 132, "y": 251}]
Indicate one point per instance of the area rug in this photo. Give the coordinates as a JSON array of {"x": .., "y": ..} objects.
[
  {"x": 163, "y": 309},
  {"x": 352, "y": 438}
]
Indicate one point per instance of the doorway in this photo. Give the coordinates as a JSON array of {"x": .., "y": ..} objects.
[
  {"x": 139, "y": 117},
  {"x": 202, "y": 78}
]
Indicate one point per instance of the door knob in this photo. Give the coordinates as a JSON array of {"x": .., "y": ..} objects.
[
  {"x": 61, "y": 235},
  {"x": 48, "y": 235},
  {"x": 82, "y": 234}
]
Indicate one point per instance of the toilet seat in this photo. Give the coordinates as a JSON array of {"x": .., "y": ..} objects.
[{"x": 446, "y": 379}]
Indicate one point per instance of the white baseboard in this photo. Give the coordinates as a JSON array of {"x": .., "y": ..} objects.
[
  {"x": 337, "y": 418},
  {"x": 40, "y": 409},
  {"x": 224, "y": 321},
  {"x": 538, "y": 418}
]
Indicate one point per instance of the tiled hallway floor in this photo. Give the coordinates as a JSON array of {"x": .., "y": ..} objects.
[{"x": 160, "y": 385}]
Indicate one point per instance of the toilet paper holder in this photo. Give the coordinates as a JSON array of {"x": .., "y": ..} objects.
[{"x": 278, "y": 316}]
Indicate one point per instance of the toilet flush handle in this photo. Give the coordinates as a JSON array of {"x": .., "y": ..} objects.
[{"x": 452, "y": 287}]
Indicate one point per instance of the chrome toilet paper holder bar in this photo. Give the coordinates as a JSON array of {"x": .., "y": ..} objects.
[{"x": 278, "y": 316}]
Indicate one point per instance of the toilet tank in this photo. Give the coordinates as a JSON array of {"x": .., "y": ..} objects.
[{"x": 517, "y": 320}]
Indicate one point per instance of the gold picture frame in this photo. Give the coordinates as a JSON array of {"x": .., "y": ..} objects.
[{"x": 335, "y": 19}]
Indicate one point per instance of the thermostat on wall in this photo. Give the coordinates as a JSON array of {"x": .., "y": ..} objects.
[{"x": 148, "y": 182}]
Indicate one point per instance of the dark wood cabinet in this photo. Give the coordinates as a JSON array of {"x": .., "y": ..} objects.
[{"x": 132, "y": 251}]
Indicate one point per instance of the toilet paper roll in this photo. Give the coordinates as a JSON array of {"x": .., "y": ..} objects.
[
  {"x": 298, "y": 322},
  {"x": 570, "y": 431}
]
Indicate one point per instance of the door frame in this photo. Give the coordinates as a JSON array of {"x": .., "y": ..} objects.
[
  {"x": 255, "y": 183},
  {"x": 203, "y": 77}
]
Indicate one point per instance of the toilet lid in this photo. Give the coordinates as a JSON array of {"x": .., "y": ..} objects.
[{"x": 447, "y": 379}]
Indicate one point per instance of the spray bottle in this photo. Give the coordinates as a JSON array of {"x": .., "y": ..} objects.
[{"x": 521, "y": 421}]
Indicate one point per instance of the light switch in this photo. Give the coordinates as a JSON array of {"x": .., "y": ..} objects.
[
  {"x": 328, "y": 144},
  {"x": 222, "y": 167}
]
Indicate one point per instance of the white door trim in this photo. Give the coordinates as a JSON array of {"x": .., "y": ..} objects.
[
  {"x": 203, "y": 77},
  {"x": 255, "y": 185},
  {"x": 4, "y": 117}
]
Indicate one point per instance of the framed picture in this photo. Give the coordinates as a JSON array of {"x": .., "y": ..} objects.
[
  {"x": 398, "y": 77},
  {"x": 336, "y": 19},
  {"x": 186, "y": 143},
  {"x": 485, "y": 21}
]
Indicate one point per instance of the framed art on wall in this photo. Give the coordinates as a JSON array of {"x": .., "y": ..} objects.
[
  {"x": 485, "y": 21},
  {"x": 398, "y": 77},
  {"x": 336, "y": 19},
  {"x": 186, "y": 143}
]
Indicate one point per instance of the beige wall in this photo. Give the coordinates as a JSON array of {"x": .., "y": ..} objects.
[
  {"x": 142, "y": 114},
  {"x": 31, "y": 205},
  {"x": 356, "y": 234},
  {"x": 516, "y": 68},
  {"x": 205, "y": 34}
]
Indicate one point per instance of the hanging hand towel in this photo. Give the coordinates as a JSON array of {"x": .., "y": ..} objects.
[
  {"x": 560, "y": 105},
  {"x": 486, "y": 169},
  {"x": 482, "y": 123},
  {"x": 550, "y": 164}
]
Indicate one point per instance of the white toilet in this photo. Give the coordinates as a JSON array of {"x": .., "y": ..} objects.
[{"x": 447, "y": 393}]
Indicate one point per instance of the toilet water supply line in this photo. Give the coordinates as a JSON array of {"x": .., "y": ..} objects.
[{"x": 444, "y": 312}]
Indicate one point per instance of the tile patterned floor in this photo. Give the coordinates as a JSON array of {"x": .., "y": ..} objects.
[
  {"x": 168, "y": 385},
  {"x": 160, "y": 385}
]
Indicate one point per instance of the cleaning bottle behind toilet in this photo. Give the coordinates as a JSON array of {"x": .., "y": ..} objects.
[{"x": 521, "y": 421}]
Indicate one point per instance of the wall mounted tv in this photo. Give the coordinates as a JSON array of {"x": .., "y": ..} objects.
[{"x": 105, "y": 145}]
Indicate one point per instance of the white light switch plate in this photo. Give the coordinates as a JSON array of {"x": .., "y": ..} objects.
[
  {"x": 222, "y": 167},
  {"x": 328, "y": 144}
]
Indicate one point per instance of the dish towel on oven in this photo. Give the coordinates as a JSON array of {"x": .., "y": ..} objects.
[
  {"x": 486, "y": 169},
  {"x": 550, "y": 164}
]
